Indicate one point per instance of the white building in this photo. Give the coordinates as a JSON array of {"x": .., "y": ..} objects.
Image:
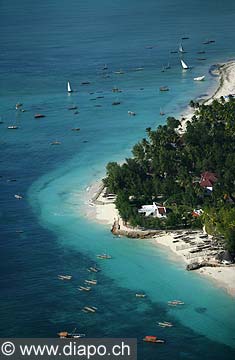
[{"x": 154, "y": 210}]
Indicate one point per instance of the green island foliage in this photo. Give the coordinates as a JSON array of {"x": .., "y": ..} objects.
[{"x": 166, "y": 168}]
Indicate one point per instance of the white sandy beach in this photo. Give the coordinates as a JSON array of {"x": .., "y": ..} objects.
[{"x": 102, "y": 208}]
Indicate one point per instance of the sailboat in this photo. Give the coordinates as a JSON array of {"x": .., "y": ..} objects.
[
  {"x": 69, "y": 88},
  {"x": 184, "y": 65},
  {"x": 199, "y": 78},
  {"x": 181, "y": 49}
]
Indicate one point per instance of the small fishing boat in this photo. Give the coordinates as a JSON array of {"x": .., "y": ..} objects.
[
  {"x": 13, "y": 127},
  {"x": 75, "y": 129},
  {"x": 164, "y": 88},
  {"x": 85, "y": 83},
  {"x": 131, "y": 113},
  {"x": 105, "y": 67},
  {"x": 153, "y": 339},
  {"x": 184, "y": 65},
  {"x": 72, "y": 108},
  {"x": 64, "y": 277},
  {"x": 201, "y": 52},
  {"x": 104, "y": 256},
  {"x": 55, "y": 143},
  {"x": 140, "y": 295},
  {"x": 91, "y": 282},
  {"x": 38, "y": 116},
  {"x": 84, "y": 288},
  {"x": 91, "y": 309},
  {"x": 168, "y": 66},
  {"x": 115, "y": 89},
  {"x": 165, "y": 324},
  {"x": 116, "y": 103},
  {"x": 67, "y": 335},
  {"x": 93, "y": 269},
  {"x": 18, "y": 105},
  {"x": 199, "y": 78},
  {"x": 139, "y": 69},
  {"x": 185, "y": 38},
  {"x": 174, "y": 52},
  {"x": 119, "y": 72},
  {"x": 18, "y": 197},
  {"x": 181, "y": 49},
  {"x": 161, "y": 112},
  {"x": 175, "y": 302},
  {"x": 69, "y": 87}
]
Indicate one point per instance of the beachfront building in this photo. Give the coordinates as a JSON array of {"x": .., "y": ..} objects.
[
  {"x": 154, "y": 210},
  {"x": 207, "y": 180}
]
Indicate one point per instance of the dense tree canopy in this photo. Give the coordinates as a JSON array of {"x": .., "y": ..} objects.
[{"x": 166, "y": 168}]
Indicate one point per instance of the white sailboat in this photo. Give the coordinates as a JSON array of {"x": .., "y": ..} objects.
[
  {"x": 69, "y": 88},
  {"x": 184, "y": 65},
  {"x": 199, "y": 78},
  {"x": 181, "y": 49}
]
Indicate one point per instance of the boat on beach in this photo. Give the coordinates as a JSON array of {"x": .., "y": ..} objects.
[
  {"x": 199, "y": 78},
  {"x": 153, "y": 339},
  {"x": 64, "y": 277}
]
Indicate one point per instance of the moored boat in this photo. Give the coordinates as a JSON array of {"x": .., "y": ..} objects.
[
  {"x": 67, "y": 335},
  {"x": 91, "y": 282},
  {"x": 64, "y": 277},
  {"x": 164, "y": 88},
  {"x": 199, "y": 78},
  {"x": 38, "y": 116},
  {"x": 103, "y": 256},
  {"x": 184, "y": 65},
  {"x": 13, "y": 127},
  {"x": 18, "y": 197},
  {"x": 69, "y": 87},
  {"x": 84, "y": 288},
  {"x": 140, "y": 295},
  {"x": 153, "y": 339},
  {"x": 93, "y": 269},
  {"x": 165, "y": 324},
  {"x": 91, "y": 309}
]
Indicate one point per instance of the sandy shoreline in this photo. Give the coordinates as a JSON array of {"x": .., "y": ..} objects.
[{"x": 99, "y": 207}]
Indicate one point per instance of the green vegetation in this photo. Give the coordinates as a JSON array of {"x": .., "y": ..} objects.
[{"x": 167, "y": 166}]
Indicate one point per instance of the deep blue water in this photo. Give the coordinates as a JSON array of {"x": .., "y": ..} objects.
[{"x": 42, "y": 46}]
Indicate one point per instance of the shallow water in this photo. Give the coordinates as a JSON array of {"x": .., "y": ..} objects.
[{"x": 43, "y": 46}]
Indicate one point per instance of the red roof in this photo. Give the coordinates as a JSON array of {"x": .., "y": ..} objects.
[
  {"x": 161, "y": 210},
  {"x": 208, "y": 179}
]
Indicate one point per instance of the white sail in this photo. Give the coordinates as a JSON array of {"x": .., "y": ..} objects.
[
  {"x": 199, "y": 78},
  {"x": 181, "y": 49},
  {"x": 69, "y": 87},
  {"x": 184, "y": 65}
]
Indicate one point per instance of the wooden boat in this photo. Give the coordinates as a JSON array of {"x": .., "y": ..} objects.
[
  {"x": 69, "y": 87},
  {"x": 140, "y": 295},
  {"x": 91, "y": 282},
  {"x": 91, "y": 309},
  {"x": 104, "y": 256},
  {"x": 64, "y": 277},
  {"x": 18, "y": 197},
  {"x": 153, "y": 339},
  {"x": 13, "y": 127},
  {"x": 199, "y": 78},
  {"x": 38, "y": 116},
  {"x": 164, "y": 88},
  {"x": 84, "y": 288}
]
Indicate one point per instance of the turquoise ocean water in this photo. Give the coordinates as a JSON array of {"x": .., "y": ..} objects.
[{"x": 42, "y": 46}]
